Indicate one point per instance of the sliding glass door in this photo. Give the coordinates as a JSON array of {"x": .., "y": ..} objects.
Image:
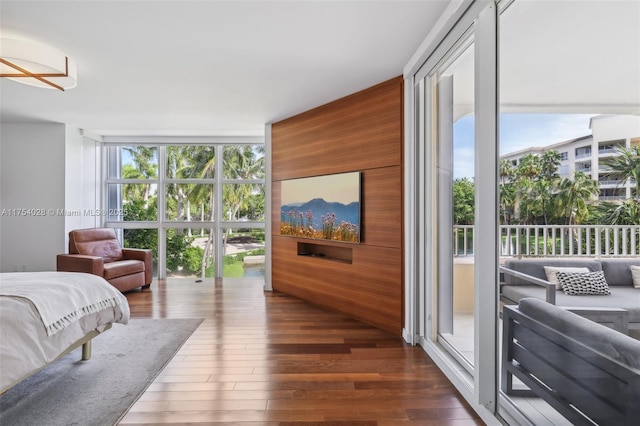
[
  {"x": 457, "y": 287},
  {"x": 454, "y": 172}
]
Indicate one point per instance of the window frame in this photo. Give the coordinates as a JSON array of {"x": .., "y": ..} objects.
[{"x": 161, "y": 181}]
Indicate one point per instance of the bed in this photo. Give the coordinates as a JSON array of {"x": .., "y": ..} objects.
[{"x": 45, "y": 315}]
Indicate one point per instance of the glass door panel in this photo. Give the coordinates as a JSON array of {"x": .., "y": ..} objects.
[
  {"x": 558, "y": 132},
  {"x": 454, "y": 92}
]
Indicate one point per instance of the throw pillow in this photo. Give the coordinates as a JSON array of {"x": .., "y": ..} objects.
[
  {"x": 635, "y": 274},
  {"x": 580, "y": 283},
  {"x": 551, "y": 271}
]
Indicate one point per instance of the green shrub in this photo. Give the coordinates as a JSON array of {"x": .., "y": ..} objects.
[{"x": 192, "y": 259}]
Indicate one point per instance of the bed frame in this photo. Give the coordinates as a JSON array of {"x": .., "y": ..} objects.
[{"x": 85, "y": 342}]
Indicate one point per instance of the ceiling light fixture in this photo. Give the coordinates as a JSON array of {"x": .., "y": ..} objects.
[{"x": 36, "y": 65}]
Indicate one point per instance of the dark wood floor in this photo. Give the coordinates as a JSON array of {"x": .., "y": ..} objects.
[{"x": 264, "y": 358}]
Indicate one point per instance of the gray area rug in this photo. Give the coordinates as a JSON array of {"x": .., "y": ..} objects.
[{"x": 124, "y": 362}]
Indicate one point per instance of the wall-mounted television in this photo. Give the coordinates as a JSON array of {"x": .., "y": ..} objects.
[{"x": 321, "y": 207}]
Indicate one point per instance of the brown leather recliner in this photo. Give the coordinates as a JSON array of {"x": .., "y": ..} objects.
[{"x": 97, "y": 251}]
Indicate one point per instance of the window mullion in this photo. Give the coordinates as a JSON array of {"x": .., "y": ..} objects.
[
  {"x": 162, "y": 233},
  {"x": 218, "y": 212}
]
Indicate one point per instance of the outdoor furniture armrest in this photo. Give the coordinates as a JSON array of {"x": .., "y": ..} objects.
[{"x": 549, "y": 287}]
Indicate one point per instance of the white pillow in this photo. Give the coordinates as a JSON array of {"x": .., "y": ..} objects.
[
  {"x": 551, "y": 271},
  {"x": 635, "y": 274}
]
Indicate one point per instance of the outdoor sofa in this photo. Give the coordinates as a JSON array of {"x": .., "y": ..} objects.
[
  {"x": 588, "y": 372},
  {"x": 527, "y": 278}
]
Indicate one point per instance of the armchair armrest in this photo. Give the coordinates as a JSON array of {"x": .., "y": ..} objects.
[
  {"x": 550, "y": 288},
  {"x": 146, "y": 256},
  {"x": 80, "y": 263}
]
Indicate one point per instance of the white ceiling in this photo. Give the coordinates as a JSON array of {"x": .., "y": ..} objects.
[
  {"x": 208, "y": 67},
  {"x": 562, "y": 56},
  {"x": 571, "y": 56}
]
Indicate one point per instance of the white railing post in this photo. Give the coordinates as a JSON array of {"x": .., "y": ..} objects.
[
  {"x": 455, "y": 240},
  {"x": 579, "y": 248},
  {"x": 570, "y": 234},
  {"x": 464, "y": 245}
]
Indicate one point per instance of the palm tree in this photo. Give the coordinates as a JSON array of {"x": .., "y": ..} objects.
[
  {"x": 625, "y": 165},
  {"x": 145, "y": 161},
  {"x": 625, "y": 212},
  {"x": 200, "y": 164},
  {"x": 549, "y": 164},
  {"x": 524, "y": 176},
  {"x": 542, "y": 197},
  {"x": 177, "y": 161},
  {"x": 133, "y": 191},
  {"x": 574, "y": 195},
  {"x": 507, "y": 190},
  {"x": 507, "y": 171},
  {"x": 237, "y": 161},
  {"x": 529, "y": 167},
  {"x": 242, "y": 162},
  {"x": 507, "y": 200}
]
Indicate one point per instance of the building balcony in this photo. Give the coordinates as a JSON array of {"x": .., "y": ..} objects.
[
  {"x": 611, "y": 182},
  {"x": 583, "y": 155},
  {"x": 611, "y": 197},
  {"x": 607, "y": 151}
]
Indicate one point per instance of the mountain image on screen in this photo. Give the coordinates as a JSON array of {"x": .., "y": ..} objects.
[
  {"x": 320, "y": 208},
  {"x": 318, "y": 218}
]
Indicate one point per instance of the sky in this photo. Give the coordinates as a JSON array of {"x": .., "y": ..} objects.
[
  {"x": 341, "y": 188},
  {"x": 517, "y": 131}
]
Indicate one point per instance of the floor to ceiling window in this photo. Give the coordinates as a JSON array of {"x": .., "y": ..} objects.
[
  {"x": 501, "y": 83},
  {"x": 199, "y": 206},
  {"x": 569, "y": 105}
]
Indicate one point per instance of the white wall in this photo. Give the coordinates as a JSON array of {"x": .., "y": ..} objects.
[
  {"x": 32, "y": 177},
  {"x": 613, "y": 127},
  {"x": 52, "y": 172}
]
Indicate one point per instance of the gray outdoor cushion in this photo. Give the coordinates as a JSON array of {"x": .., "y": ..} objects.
[
  {"x": 609, "y": 342},
  {"x": 617, "y": 272},
  {"x": 627, "y": 298},
  {"x": 535, "y": 268}
]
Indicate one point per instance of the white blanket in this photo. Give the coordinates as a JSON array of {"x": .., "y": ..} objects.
[{"x": 69, "y": 296}]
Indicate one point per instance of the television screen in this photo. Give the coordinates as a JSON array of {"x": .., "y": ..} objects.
[{"x": 322, "y": 207}]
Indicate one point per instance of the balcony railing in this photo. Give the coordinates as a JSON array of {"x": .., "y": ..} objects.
[
  {"x": 604, "y": 181},
  {"x": 608, "y": 150},
  {"x": 611, "y": 197},
  {"x": 556, "y": 240}
]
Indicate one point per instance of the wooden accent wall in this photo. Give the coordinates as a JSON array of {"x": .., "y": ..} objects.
[{"x": 361, "y": 132}]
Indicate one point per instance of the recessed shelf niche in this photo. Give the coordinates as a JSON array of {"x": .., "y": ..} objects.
[{"x": 323, "y": 251}]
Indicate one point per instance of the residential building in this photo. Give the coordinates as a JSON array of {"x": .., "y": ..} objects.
[{"x": 585, "y": 154}]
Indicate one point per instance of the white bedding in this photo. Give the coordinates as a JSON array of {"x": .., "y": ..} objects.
[
  {"x": 26, "y": 345},
  {"x": 66, "y": 298}
]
